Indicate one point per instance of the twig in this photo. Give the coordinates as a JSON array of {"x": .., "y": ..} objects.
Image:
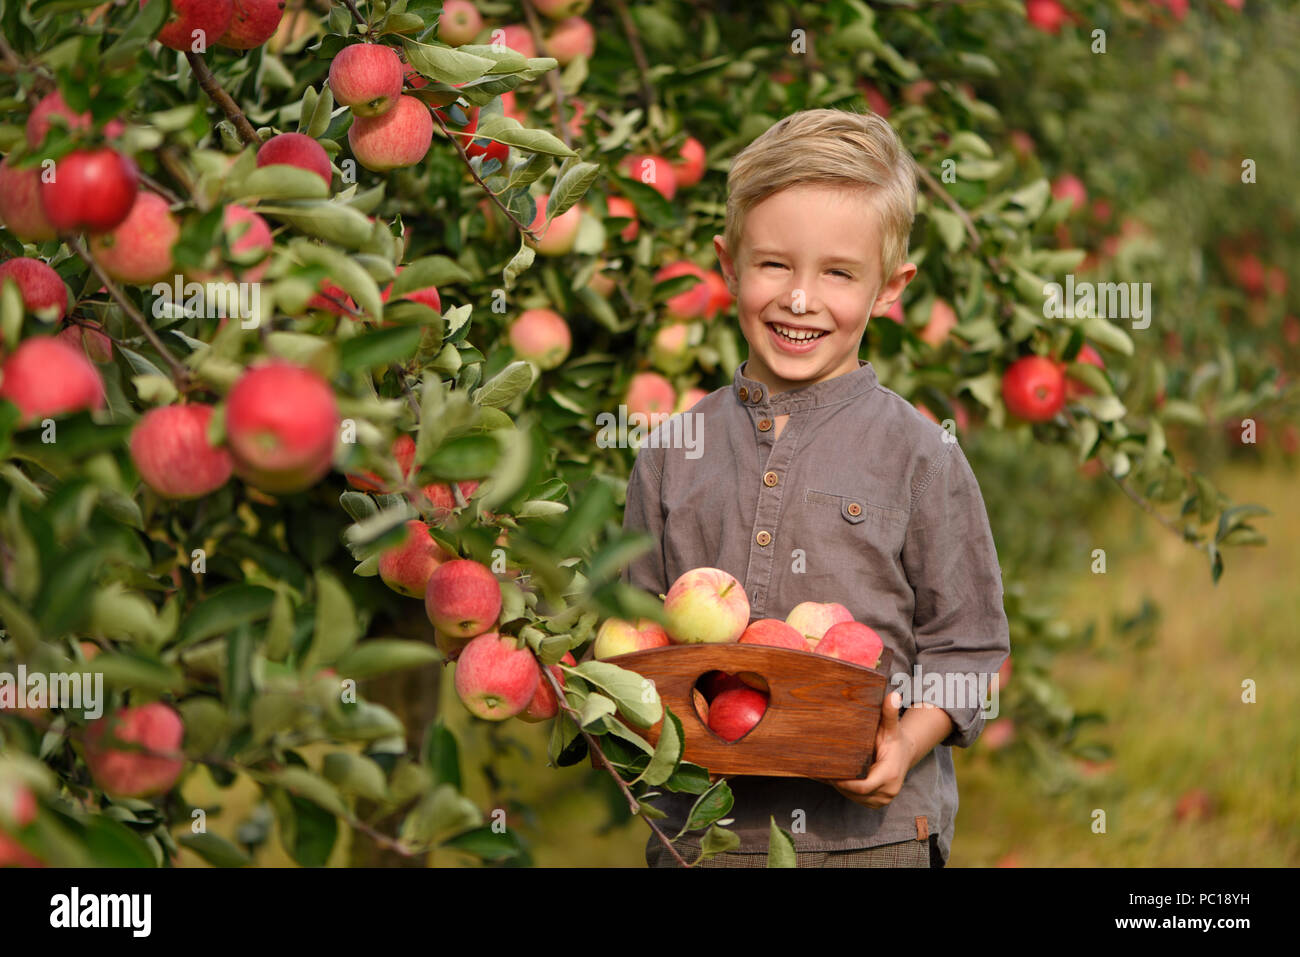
[
  {"x": 955, "y": 206},
  {"x": 159, "y": 188},
  {"x": 535, "y": 28},
  {"x": 356, "y": 14},
  {"x": 465, "y": 158},
  {"x": 180, "y": 374},
  {"x": 633, "y": 805},
  {"x": 638, "y": 53},
  {"x": 1147, "y": 507},
  {"x": 219, "y": 96}
]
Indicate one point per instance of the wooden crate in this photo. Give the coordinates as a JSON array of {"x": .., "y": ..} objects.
[{"x": 821, "y": 713}]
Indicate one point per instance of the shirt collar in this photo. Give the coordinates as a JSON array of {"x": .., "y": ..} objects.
[{"x": 830, "y": 392}]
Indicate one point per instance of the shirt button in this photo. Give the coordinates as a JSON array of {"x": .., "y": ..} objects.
[
  {"x": 763, "y": 538},
  {"x": 758, "y": 395},
  {"x": 769, "y": 479},
  {"x": 764, "y": 425},
  {"x": 743, "y": 393},
  {"x": 855, "y": 509}
]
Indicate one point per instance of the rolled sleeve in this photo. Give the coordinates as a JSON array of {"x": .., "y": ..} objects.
[
  {"x": 959, "y": 624},
  {"x": 644, "y": 513}
]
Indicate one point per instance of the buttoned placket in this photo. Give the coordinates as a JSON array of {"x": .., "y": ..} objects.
[{"x": 775, "y": 457}]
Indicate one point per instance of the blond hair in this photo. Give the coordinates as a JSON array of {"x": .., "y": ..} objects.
[{"x": 838, "y": 148}]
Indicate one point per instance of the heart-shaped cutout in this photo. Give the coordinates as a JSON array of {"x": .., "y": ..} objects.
[{"x": 730, "y": 705}]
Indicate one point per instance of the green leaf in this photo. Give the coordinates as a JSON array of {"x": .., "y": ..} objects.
[
  {"x": 379, "y": 348},
  {"x": 780, "y": 847},
  {"x": 1108, "y": 336},
  {"x": 354, "y": 774},
  {"x": 436, "y": 271},
  {"x": 330, "y": 221},
  {"x": 310, "y": 786},
  {"x": 280, "y": 181},
  {"x": 595, "y": 707},
  {"x": 508, "y": 131},
  {"x": 717, "y": 840},
  {"x": 337, "y": 626},
  {"x": 441, "y": 814},
  {"x": 381, "y": 655},
  {"x": 636, "y": 697},
  {"x": 570, "y": 188},
  {"x": 215, "y": 849},
  {"x": 500, "y": 390},
  {"x": 487, "y": 843},
  {"x": 112, "y": 844},
  {"x": 468, "y": 457},
  {"x": 713, "y": 805},
  {"x": 448, "y": 65},
  {"x": 442, "y": 755},
  {"x": 668, "y": 752},
  {"x": 145, "y": 674},
  {"x": 344, "y": 271},
  {"x": 223, "y": 610},
  {"x": 126, "y": 49}
]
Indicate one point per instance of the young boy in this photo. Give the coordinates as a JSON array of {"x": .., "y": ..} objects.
[{"x": 816, "y": 483}]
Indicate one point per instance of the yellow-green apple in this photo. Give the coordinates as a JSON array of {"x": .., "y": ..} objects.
[
  {"x": 443, "y": 500},
  {"x": 42, "y": 290},
  {"x": 281, "y": 425},
  {"x": 812, "y": 618},
  {"x": 670, "y": 349},
  {"x": 692, "y": 303},
  {"x": 406, "y": 568},
  {"x": 1045, "y": 15},
  {"x": 706, "y": 606},
  {"x": 544, "y": 705},
  {"x": 516, "y": 37},
  {"x": 542, "y": 337},
  {"x": 689, "y": 168},
  {"x": 621, "y": 208},
  {"x": 92, "y": 190},
  {"x": 942, "y": 318},
  {"x": 562, "y": 9},
  {"x": 463, "y": 598},
  {"x": 366, "y": 78},
  {"x": 428, "y": 296},
  {"x": 570, "y": 38},
  {"x": 1033, "y": 388},
  {"x": 1090, "y": 356},
  {"x": 53, "y": 104},
  {"x": 296, "y": 149},
  {"x": 171, "y": 451},
  {"x": 1068, "y": 186},
  {"x": 734, "y": 713},
  {"x": 403, "y": 451},
  {"x": 397, "y": 139},
  {"x": 17, "y": 811},
  {"x": 459, "y": 22},
  {"x": 45, "y": 377},
  {"x": 653, "y": 171},
  {"x": 688, "y": 399},
  {"x": 852, "y": 641},
  {"x": 495, "y": 678},
  {"x": 619, "y": 637},
  {"x": 209, "y": 18},
  {"x": 88, "y": 336},
  {"x": 156, "y": 731},
  {"x": 721, "y": 298},
  {"x": 20, "y": 204},
  {"x": 557, "y": 238},
  {"x": 651, "y": 395},
  {"x": 775, "y": 633},
  {"x": 254, "y": 22},
  {"x": 139, "y": 249}
]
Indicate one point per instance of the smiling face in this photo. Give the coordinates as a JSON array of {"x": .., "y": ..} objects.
[{"x": 806, "y": 279}]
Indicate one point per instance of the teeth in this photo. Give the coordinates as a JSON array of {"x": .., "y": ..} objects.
[{"x": 797, "y": 335}]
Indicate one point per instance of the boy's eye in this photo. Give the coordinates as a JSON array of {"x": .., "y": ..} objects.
[
  {"x": 841, "y": 272},
  {"x": 771, "y": 263}
]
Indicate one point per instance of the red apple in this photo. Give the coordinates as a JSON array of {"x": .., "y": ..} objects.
[
  {"x": 38, "y": 123},
  {"x": 1092, "y": 357},
  {"x": 171, "y": 451},
  {"x": 998, "y": 734},
  {"x": 42, "y": 290},
  {"x": 427, "y": 296},
  {"x": 812, "y": 619},
  {"x": 1068, "y": 186},
  {"x": 406, "y": 568},
  {"x": 403, "y": 450},
  {"x": 20, "y": 204},
  {"x": 875, "y": 99},
  {"x": 281, "y": 426},
  {"x": 733, "y": 713},
  {"x": 942, "y": 318},
  {"x": 442, "y": 499},
  {"x": 569, "y": 38},
  {"x": 621, "y": 208},
  {"x": 692, "y": 303},
  {"x": 1033, "y": 389},
  {"x": 45, "y": 377},
  {"x": 488, "y": 149},
  {"x": 135, "y": 773},
  {"x": 210, "y": 18},
  {"x": 619, "y": 637},
  {"x": 459, "y": 22},
  {"x": 397, "y": 139},
  {"x": 654, "y": 171},
  {"x": 252, "y": 235},
  {"x": 495, "y": 678},
  {"x": 557, "y": 238},
  {"x": 720, "y": 296},
  {"x": 510, "y": 109},
  {"x": 516, "y": 37},
  {"x": 1045, "y": 15},
  {"x": 139, "y": 250},
  {"x": 651, "y": 395},
  {"x": 92, "y": 190},
  {"x": 774, "y": 633},
  {"x": 367, "y": 78},
  {"x": 542, "y": 337},
  {"x": 561, "y": 9},
  {"x": 296, "y": 149},
  {"x": 254, "y": 22},
  {"x": 88, "y": 336},
  {"x": 463, "y": 598},
  {"x": 689, "y": 168},
  {"x": 544, "y": 705},
  {"x": 706, "y": 606},
  {"x": 852, "y": 641}
]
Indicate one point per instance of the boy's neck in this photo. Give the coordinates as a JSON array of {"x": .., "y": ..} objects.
[{"x": 755, "y": 369}]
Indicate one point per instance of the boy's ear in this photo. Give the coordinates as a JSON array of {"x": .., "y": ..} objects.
[
  {"x": 724, "y": 260},
  {"x": 893, "y": 288}
]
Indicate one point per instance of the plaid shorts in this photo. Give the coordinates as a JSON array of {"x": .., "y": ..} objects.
[{"x": 902, "y": 854}]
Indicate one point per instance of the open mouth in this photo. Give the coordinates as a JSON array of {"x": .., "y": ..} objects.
[{"x": 794, "y": 334}]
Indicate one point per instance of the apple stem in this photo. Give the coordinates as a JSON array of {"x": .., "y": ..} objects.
[{"x": 723, "y": 593}]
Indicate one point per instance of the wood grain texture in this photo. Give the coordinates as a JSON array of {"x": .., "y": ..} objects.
[{"x": 820, "y": 720}]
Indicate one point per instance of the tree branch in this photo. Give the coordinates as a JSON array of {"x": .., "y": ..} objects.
[
  {"x": 219, "y": 96},
  {"x": 478, "y": 179},
  {"x": 638, "y": 54}
]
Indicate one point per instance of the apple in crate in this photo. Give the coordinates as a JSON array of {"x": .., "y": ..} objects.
[
  {"x": 733, "y": 713},
  {"x": 620, "y": 637},
  {"x": 706, "y": 606},
  {"x": 775, "y": 633},
  {"x": 852, "y": 641},
  {"x": 812, "y": 618}
]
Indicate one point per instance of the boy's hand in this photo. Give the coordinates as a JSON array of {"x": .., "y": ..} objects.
[{"x": 895, "y": 754}]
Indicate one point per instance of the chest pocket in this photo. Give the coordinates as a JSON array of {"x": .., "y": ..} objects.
[{"x": 881, "y": 528}]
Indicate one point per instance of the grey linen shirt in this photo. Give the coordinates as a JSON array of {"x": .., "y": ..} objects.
[{"x": 860, "y": 501}]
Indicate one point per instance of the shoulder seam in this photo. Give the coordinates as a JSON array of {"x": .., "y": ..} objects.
[{"x": 934, "y": 470}]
